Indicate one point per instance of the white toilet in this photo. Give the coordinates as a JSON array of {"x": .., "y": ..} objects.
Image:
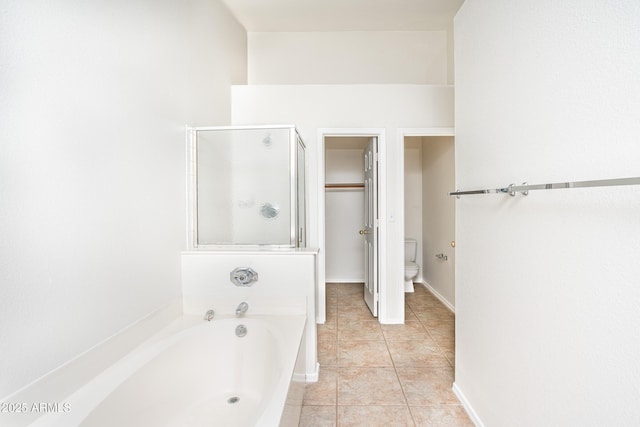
[{"x": 410, "y": 267}]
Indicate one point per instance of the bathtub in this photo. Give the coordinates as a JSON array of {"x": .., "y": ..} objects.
[{"x": 198, "y": 373}]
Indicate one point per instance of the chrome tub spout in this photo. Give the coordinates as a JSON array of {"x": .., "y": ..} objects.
[{"x": 242, "y": 309}]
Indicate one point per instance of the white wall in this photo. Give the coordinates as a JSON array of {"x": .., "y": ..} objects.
[
  {"x": 95, "y": 99},
  {"x": 547, "y": 286},
  {"x": 390, "y": 107},
  {"x": 344, "y": 213},
  {"x": 355, "y": 57},
  {"x": 286, "y": 284}
]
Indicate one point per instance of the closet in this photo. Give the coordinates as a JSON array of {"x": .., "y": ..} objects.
[{"x": 344, "y": 209}]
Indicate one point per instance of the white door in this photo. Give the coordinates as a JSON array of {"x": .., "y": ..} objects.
[{"x": 370, "y": 229}]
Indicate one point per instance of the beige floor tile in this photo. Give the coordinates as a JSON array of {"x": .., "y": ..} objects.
[
  {"x": 408, "y": 313},
  {"x": 427, "y": 385},
  {"x": 325, "y": 390},
  {"x": 331, "y": 290},
  {"x": 331, "y": 303},
  {"x": 351, "y": 301},
  {"x": 451, "y": 358},
  {"x": 434, "y": 316},
  {"x": 446, "y": 343},
  {"x": 364, "y": 381},
  {"x": 349, "y": 313},
  {"x": 350, "y": 289},
  {"x": 369, "y": 386},
  {"x": 440, "y": 416},
  {"x": 363, "y": 353},
  {"x": 422, "y": 288},
  {"x": 360, "y": 330},
  {"x": 448, "y": 348},
  {"x": 327, "y": 330},
  {"x": 318, "y": 416},
  {"x": 411, "y": 330},
  {"x": 374, "y": 416},
  {"x": 416, "y": 353},
  {"x": 441, "y": 331},
  {"x": 422, "y": 303},
  {"x": 327, "y": 352},
  {"x": 419, "y": 292}
]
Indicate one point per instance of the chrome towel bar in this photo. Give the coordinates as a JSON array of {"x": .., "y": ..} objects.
[{"x": 524, "y": 188}]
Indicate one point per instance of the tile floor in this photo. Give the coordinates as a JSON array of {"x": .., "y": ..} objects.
[{"x": 384, "y": 375}]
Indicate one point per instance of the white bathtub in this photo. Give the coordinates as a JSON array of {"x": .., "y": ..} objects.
[{"x": 197, "y": 373}]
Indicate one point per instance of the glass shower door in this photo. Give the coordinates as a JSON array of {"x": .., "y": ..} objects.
[{"x": 243, "y": 180}]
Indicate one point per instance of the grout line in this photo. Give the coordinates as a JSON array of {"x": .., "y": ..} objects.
[
  {"x": 336, "y": 405},
  {"x": 395, "y": 369}
]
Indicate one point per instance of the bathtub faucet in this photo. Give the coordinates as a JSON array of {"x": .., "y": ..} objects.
[{"x": 242, "y": 309}]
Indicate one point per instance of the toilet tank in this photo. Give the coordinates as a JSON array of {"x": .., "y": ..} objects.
[{"x": 410, "y": 249}]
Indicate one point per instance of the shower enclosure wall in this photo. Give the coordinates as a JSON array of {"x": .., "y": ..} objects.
[{"x": 247, "y": 186}]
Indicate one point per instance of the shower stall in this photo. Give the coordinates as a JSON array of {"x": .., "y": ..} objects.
[{"x": 247, "y": 187}]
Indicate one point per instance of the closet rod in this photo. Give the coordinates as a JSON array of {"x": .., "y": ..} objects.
[
  {"x": 355, "y": 185},
  {"x": 525, "y": 188}
]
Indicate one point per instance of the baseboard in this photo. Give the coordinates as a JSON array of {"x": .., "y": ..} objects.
[
  {"x": 467, "y": 406},
  {"x": 312, "y": 377},
  {"x": 391, "y": 320},
  {"x": 437, "y": 295}
]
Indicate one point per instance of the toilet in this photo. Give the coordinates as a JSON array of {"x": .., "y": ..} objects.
[{"x": 410, "y": 267}]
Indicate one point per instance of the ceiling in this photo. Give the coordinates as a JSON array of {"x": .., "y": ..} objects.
[{"x": 344, "y": 15}]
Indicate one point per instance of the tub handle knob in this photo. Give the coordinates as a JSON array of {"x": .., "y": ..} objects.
[
  {"x": 243, "y": 276},
  {"x": 208, "y": 316}
]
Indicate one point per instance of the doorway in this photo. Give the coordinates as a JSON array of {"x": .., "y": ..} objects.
[
  {"x": 344, "y": 203},
  {"x": 343, "y": 229},
  {"x": 429, "y": 213}
]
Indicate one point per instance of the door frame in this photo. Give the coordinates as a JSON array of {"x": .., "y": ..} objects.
[
  {"x": 400, "y": 135},
  {"x": 380, "y": 133}
]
